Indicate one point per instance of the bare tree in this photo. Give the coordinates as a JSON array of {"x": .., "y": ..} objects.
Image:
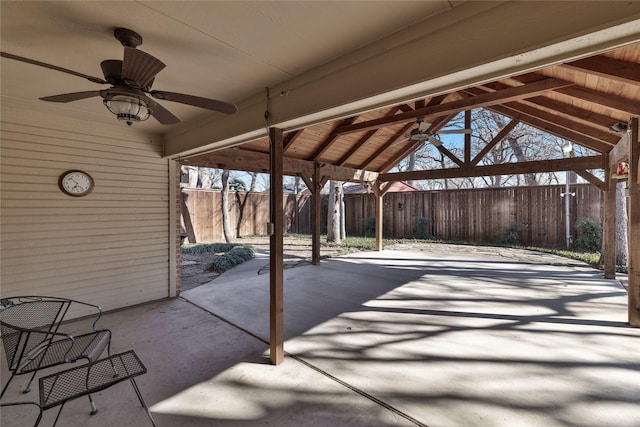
[
  {"x": 226, "y": 228},
  {"x": 333, "y": 213}
]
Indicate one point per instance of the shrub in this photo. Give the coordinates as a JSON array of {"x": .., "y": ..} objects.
[
  {"x": 589, "y": 235},
  {"x": 236, "y": 255},
  {"x": 510, "y": 234},
  {"x": 202, "y": 248},
  {"x": 422, "y": 228},
  {"x": 370, "y": 226}
]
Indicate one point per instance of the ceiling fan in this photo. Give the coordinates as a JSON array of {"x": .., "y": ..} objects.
[
  {"x": 422, "y": 133},
  {"x": 130, "y": 96}
]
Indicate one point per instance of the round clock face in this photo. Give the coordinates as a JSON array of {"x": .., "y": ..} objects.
[{"x": 76, "y": 183}]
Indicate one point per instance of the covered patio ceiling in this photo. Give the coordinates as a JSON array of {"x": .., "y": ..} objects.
[{"x": 578, "y": 100}]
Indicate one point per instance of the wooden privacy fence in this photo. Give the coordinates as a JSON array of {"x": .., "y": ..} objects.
[
  {"x": 474, "y": 215},
  {"x": 248, "y": 214},
  {"x": 480, "y": 215}
]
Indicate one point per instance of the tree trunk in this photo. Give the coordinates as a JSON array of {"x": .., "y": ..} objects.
[
  {"x": 411, "y": 166},
  {"x": 333, "y": 214},
  {"x": 530, "y": 178},
  {"x": 226, "y": 228},
  {"x": 622, "y": 246},
  {"x": 343, "y": 215}
]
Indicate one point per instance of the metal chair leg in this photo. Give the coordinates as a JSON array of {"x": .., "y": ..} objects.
[
  {"x": 142, "y": 402},
  {"x": 27, "y": 389}
]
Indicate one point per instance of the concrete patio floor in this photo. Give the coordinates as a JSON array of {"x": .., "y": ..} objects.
[{"x": 403, "y": 337}]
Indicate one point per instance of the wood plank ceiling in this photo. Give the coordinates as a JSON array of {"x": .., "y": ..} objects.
[{"x": 578, "y": 101}]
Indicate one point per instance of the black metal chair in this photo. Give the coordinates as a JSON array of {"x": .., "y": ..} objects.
[
  {"x": 29, "y": 326},
  {"x": 39, "y": 408}
]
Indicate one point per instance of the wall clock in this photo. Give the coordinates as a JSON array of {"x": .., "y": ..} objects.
[{"x": 76, "y": 183}]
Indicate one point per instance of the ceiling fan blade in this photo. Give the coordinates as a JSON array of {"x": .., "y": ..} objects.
[
  {"x": 70, "y": 97},
  {"x": 52, "y": 67},
  {"x": 435, "y": 141},
  {"x": 455, "y": 131},
  {"x": 139, "y": 68},
  {"x": 196, "y": 101},
  {"x": 164, "y": 116}
]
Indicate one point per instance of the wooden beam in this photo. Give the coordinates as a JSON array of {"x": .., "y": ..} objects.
[
  {"x": 554, "y": 165},
  {"x": 572, "y": 111},
  {"x": 633, "y": 227},
  {"x": 610, "y": 68},
  {"x": 626, "y": 105},
  {"x": 253, "y": 161},
  {"x": 467, "y": 137},
  {"x": 499, "y": 137},
  {"x": 552, "y": 128},
  {"x": 438, "y": 124},
  {"x": 591, "y": 178},
  {"x": 620, "y": 153},
  {"x": 484, "y": 100},
  {"x": 290, "y": 138},
  {"x": 379, "y": 194},
  {"x": 276, "y": 252},
  {"x": 450, "y": 155},
  {"x": 386, "y": 145},
  {"x": 315, "y": 216},
  {"x": 331, "y": 138},
  {"x": 609, "y": 225},
  {"x": 364, "y": 138},
  {"x": 589, "y": 131}
]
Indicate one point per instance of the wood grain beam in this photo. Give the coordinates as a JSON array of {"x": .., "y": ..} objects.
[
  {"x": 620, "y": 153},
  {"x": 499, "y": 137},
  {"x": 253, "y": 161},
  {"x": 276, "y": 251},
  {"x": 484, "y": 100},
  {"x": 633, "y": 226},
  {"x": 290, "y": 138},
  {"x": 570, "y": 110},
  {"x": 611, "y": 68},
  {"x": 591, "y": 178},
  {"x": 537, "y": 166},
  {"x": 331, "y": 138},
  {"x": 604, "y": 135},
  {"x": 364, "y": 138},
  {"x": 609, "y": 223},
  {"x": 552, "y": 128}
]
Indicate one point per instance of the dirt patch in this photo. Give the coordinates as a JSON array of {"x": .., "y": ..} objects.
[{"x": 297, "y": 251}]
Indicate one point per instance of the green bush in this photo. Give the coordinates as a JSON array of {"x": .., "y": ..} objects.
[
  {"x": 202, "y": 248},
  {"x": 589, "y": 235},
  {"x": 236, "y": 255},
  {"x": 510, "y": 234},
  {"x": 422, "y": 228},
  {"x": 370, "y": 226}
]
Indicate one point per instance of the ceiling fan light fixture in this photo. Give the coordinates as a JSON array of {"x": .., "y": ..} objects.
[{"x": 127, "y": 108}]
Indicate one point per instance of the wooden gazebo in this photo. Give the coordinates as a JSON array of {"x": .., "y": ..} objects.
[{"x": 581, "y": 101}]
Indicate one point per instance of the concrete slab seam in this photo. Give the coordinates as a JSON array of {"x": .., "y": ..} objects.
[{"x": 317, "y": 369}]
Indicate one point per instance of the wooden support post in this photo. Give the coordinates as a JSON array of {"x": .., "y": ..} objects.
[
  {"x": 276, "y": 252},
  {"x": 633, "y": 227},
  {"x": 379, "y": 192},
  {"x": 315, "y": 215},
  {"x": 609, "y": 229}
]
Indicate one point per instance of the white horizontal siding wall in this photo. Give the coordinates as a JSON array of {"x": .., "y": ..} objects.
[{"x": 111, "y": 248}]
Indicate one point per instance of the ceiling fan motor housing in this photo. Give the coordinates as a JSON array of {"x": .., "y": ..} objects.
[{"x": 128, "y": 38}]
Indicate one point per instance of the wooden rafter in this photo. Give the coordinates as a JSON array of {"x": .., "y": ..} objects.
[
  {"x": 552, "y": 128},
  {"x": 253, "y": 161},
  {"x": 331, "y": 138},
  {"x": 367, "y": 136},
  {"x": 499, "y": 137},
  {"x": 603, "y": 135},
  {"x": 554, "y": 165},
  {"x": 484, "y": 100},
  {"x": 577, "y": 113},
  {"x": 588, "y": 176},
  {"x": 290, "y": 138},
  {"x": 611, "y": 68}
]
